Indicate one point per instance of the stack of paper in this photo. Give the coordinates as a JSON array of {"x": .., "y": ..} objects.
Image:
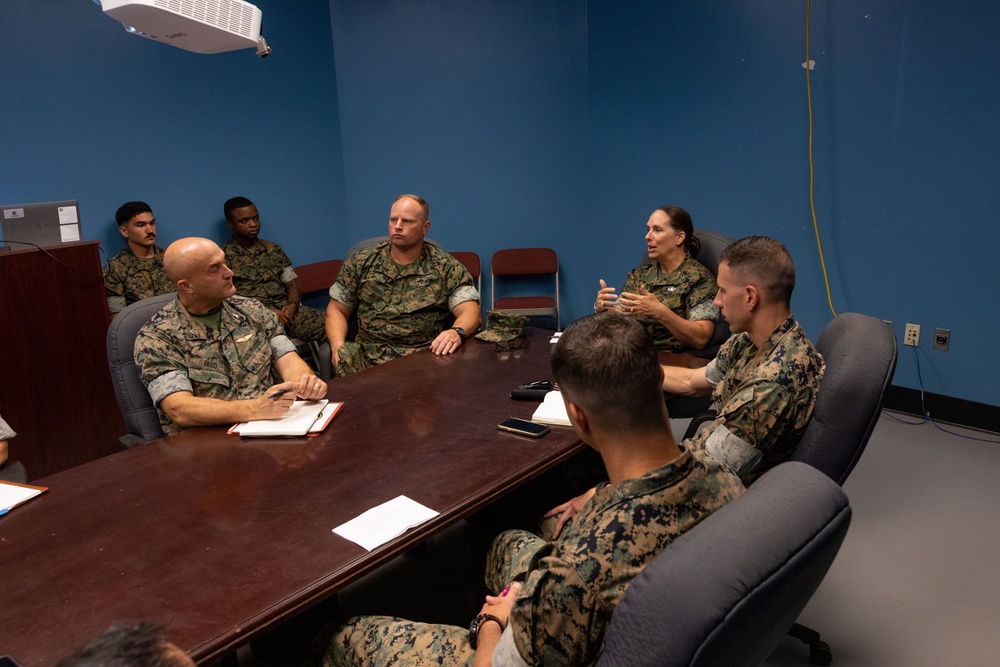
[
  {"x": 12, "y": 495},
  {"x": 552, "y": 411}
]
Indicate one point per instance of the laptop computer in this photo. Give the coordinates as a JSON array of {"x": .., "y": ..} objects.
[{"x": 43, "y": 224}]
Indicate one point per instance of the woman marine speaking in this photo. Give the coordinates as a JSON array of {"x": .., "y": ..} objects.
[{"x": 672, "y": 295}]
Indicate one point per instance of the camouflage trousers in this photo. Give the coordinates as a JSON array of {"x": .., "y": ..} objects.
[
  {"x": 309, "y": 325},
  {"x": 356, "y": 357},
  {"x": 386, "y": 640}
]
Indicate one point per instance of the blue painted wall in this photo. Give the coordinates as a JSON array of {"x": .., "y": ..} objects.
[
  {"x": 553, "y": 123},
  {"x": 478, "y": 107},
  {"x": 90, "y": 112},
  {"x": 704, "y": 105}
]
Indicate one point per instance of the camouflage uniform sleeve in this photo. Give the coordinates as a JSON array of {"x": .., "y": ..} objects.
[
  {"x": 284, "y": 265},
  {"x": 161, "y": 366},
  {"x": 460, "y": 285},
  {"x": 345, "y": 290},
  {"x": 114, "y": 287},
  {"x": 718, "y": 367},
  {"x": 758, "y": 413},
  {"x": 6, "y": 432},
  {"x": 633, "y": 281},
  {"x": 699, "y": 300},
  {"x": 505, "y": 654},
  {"x": 555, "y": 620},
  {"x": 280, "y": 346}
]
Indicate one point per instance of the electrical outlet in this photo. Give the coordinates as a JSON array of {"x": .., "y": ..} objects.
[
  {"x": 912, "y": 335},
  {"x": 942, "y": 338}
]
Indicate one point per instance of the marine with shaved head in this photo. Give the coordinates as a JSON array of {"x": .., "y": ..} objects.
[{"x": 210, "y": 357}]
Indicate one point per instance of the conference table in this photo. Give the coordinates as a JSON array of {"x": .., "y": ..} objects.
[{"x": 219, "y": 539}]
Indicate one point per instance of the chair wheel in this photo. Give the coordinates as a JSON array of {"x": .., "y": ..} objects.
[{"x": 820, "y": 653}]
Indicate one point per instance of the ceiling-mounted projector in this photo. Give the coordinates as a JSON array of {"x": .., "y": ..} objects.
[{"x": 202, "y": 26}]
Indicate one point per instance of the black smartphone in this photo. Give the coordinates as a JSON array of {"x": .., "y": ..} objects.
[
  {"x": 7, "y": 661},
  {"x": 523, "y": 427}
]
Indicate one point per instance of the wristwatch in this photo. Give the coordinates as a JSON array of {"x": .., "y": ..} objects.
[
  {"x": 477, "y": 623},
  {"x": 461, "y": 332}
]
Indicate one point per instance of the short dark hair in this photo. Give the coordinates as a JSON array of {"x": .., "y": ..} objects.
[
  {"x": 129, "y": 210},
  {"x": 764, "y": 262},
  {"x": 608, "y": 365},
  {"x": 233, "y": 204},
  {"x": 680, "y": 220},
  {"x": 420, "y": 200},
  {"x": 135, "y": 645}
]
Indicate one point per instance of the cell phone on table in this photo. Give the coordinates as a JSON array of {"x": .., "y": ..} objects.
[
  {"x": 7, "y": 661},
  {"x": 523, "y": 427}
]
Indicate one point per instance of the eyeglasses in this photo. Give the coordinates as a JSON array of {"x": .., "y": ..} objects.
[{"x": 519, "y": 343}]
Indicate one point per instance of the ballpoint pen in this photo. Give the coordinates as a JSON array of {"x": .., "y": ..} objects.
[{"x": 280, "y": 392}]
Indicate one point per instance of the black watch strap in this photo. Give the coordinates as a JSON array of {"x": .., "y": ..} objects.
[
  {"x": 460, "y": 331},
  {"x": 477, "y": 623}
]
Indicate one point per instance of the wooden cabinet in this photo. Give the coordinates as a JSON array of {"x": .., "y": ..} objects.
[{"x": 55, "y": 388}]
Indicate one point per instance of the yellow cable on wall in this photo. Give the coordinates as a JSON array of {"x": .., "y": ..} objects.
[{"x": 812, "y": 198}]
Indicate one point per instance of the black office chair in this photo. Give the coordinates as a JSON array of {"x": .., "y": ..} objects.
[
  {"x": 860, "y": 353},
  {"x": 726, "y": 591},
  {"x": 141, "y": 419}
]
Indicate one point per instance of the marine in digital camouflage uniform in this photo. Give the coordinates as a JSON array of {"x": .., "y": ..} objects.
[
  {"x": 765, "y": 397},
  {"x": 262, "y": 272},
  {"x": 128, "y": 278},
  {"x": 688, "y": 290},
  {"x": 765, "y": 378},
  {"x": 571, "y": 585},
  {"x": 131, "y": 275},
  {"x": 400, "y": 308},
  {"x": 176, "y": 352}
]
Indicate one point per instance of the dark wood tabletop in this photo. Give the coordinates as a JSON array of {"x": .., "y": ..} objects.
[{"x": 219, "y": 538}]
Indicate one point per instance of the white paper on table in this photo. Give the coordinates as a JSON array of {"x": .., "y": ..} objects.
[
  {"x": 384, "y": 522},
  {"x": 15, "y": 494}
]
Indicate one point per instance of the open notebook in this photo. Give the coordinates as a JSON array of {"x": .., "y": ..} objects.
[
  {"x": 551, "y": 411},
  {"x": 302, "y": 418}
]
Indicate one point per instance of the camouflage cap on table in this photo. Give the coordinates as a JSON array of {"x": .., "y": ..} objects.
[{"x": 503, "y": 326}]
